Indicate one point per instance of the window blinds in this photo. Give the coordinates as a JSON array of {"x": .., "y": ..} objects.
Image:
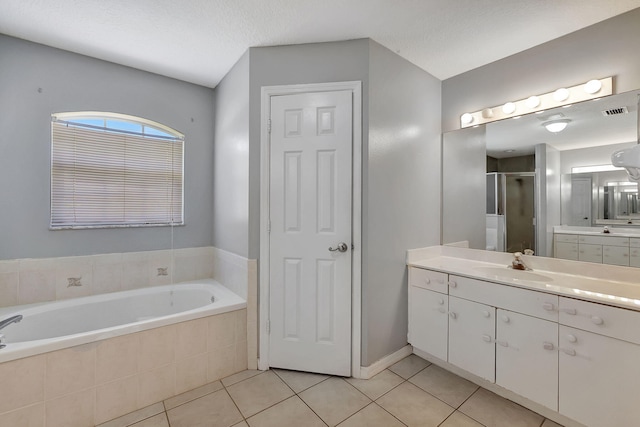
[{"x": 102, "y": 178}]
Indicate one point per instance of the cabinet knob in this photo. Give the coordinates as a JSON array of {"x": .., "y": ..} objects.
[
  {"x": 568, "y": 351},
  {"x": 548, "y": 306},
  {"x": 427, "y": 281},
  {"x": 441, "y": 301},
  {"x": 442, "y": 310},
  {"x": 452, "y": 283},
  {"x": 597, "y": 320},
  {"x": 506, "y": 319},
  {"x": 548, "y": 346},
  {"x": 487, "y": 338},
  {"x": 572, "y": 338},
  {"x": 486, "y": 313},
  {"x": 503, "y": 343},
  {"x": 453, "y": 315}
]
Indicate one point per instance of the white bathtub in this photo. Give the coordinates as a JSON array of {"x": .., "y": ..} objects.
[{"x": 61, "y": 324}]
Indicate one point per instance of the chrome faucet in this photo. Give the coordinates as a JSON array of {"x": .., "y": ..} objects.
[
  {"x": 13, "y": 319},
  {"x": 518, "y": 263}
]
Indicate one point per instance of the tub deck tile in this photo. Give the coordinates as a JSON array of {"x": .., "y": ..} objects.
[{"x": 136, "y": 416}]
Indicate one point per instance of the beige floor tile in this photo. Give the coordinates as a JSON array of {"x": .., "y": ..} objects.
[
  {"x": 135, "y": 416},
  {"x": 258, "y": 393},
  {"x": 290, "y": 413},
  {"x": 494, "y": 411},
  {"x": 549, "y": 423},
  {"x": 213, "y": 410},
  {"x": 378, "y": 384},
  {"x": 414, "y": 406},
  {"x": 409, "y": 366},
  {"x": 240, "y": 376},
  {"x": 458, "y": 419},
  {"x": 299, "y": 381},
  {"x": 190, "y": 395},
  {"x": 444, "y": 385},
  {"x": 159, "y": 420},
  {"x": 334, "y": 400},
  {"x": 241, "y": 424},
  {"x": 371, "y": 416}
]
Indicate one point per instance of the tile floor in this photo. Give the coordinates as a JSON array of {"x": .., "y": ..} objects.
[{"x": 410, "y": 393}]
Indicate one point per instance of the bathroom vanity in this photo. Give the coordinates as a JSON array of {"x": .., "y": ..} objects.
[
  {"x": 620, "y": 246},
  {"x": 562, "y": 339}
]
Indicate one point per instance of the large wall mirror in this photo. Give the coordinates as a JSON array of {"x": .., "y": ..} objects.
[{"x": 541, "y": 178}]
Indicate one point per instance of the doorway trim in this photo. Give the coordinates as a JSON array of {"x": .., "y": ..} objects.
[{"x": 356, "y": 216}]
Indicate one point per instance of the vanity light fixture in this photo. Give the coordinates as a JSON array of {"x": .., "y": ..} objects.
[
  {"x": 592, "y": 86},
  {"x": 561, "y": 94},
  {"x": 555, "y": 126},
  {"x": 532, "y": 101},
  {"x": 509, "y": 108},
  {"x": 596, "y": 88},
  {"x": 466, "y": 118}
]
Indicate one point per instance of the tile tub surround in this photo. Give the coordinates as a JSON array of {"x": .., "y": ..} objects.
[
  {"x": 92, "y": 383},
  {"x": 429, "y": 396},
  {"x": 607, "y": 284}
]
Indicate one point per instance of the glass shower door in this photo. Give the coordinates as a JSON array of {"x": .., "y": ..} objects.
[{"x": 520, "y": 212}]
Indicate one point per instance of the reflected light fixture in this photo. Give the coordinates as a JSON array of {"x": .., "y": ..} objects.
[
  {"x": 532, "y": 101},
  {"x": 509, "y": 108},
  {"x": 561, "y": 94},
  {"x": 555, "y": 126}
]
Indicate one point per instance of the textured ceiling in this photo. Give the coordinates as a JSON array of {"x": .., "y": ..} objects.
[{"x": 199, "y": 40}]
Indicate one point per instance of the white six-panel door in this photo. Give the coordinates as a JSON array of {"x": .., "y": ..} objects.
[{"x": 310, "y": 202}]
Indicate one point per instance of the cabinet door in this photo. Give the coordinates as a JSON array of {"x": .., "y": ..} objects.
[
  {"x": 428, "y": 321},
  {"x": 566, "y": 250},
  {"x": 634, "y": 257},
  {"x": 527, "y": 357},
  {"x": 590, "y": 253},
  {"x": 472, "y": 336},
  {"x": 616, "y": 255},
  {"x": 599, "y": 379}
]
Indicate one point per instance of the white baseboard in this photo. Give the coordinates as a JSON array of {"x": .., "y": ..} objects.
[{"x": 375, "y": 368}]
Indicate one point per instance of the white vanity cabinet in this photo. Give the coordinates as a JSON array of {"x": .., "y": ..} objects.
[
  {"x": 428, "y": 311},
  {"x": 527, "y": 357},
  {"x": 634, "y": 252},
  {"x": 599, "y": 353},
  {"x": 590, "y": 253},
  {"x": 472, "y": 337},
  {"x": 566, "y": 246}
]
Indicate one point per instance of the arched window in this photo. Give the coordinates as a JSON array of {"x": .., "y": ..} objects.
[{"x": 113, "y": 170}]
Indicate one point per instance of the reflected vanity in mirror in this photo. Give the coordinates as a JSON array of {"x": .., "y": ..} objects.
[{"x": 565, "y": 194}]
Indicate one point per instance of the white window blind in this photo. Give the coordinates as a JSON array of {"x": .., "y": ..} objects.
[{"x": 105, "y": 177}]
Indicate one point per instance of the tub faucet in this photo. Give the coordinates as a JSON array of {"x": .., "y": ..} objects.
[{"x": 13, "y": 319}]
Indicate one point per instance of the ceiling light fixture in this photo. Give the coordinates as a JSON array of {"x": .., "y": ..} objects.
[
  {"x": 596, "y": 88},
  {"x": 555, "y": 126}
]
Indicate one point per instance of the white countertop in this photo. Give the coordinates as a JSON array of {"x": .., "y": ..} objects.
[
  {"x": 612, "y": 285},
  {"x": 597, "y": 231}
]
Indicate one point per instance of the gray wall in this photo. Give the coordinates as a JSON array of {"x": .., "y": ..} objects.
[
  {"x": 36, "y": 81},
  {"x": 548, "y": 197},
  {"x": 464, "y": 202},
  {"x": 401, "y": 194},
  {"x": 608, "y": 48},
  {"x": 296, "y": 64},
  {"x": 231, "y": 161}
]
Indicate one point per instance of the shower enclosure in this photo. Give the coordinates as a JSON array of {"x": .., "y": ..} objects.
[{"x": 511, "y": 208}]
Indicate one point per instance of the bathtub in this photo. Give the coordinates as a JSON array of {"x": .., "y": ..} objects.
[{"x": 57, "y": 325}]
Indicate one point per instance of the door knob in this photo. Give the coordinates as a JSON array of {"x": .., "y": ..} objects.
[{"x": 342, "y": 247}]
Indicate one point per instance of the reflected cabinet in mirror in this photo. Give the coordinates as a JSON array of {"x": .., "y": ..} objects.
[{"x": 561, "y": 181}]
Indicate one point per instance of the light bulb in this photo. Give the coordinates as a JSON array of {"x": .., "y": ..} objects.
[
  {"x": 532, "y": 102},
  {"x": 561, "y": 94},
  {"x": 466, "y": 118},
  {"x": 592, "y": 86},
  {"x": 509, "y": 108}
]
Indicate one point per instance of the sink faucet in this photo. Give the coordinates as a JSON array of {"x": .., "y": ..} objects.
[
  {"x": 518, "y": 263},
  {"x": 13, "y": 319}
]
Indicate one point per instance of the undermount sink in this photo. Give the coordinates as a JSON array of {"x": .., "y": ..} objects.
[{"x": 510, "y": 273}]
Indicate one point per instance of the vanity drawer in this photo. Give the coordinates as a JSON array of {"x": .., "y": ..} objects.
[
  {"x": 634, "y": 242},
  {"x": 602, "y": 319},
  {"x": 566, "y": 238},
  {"x": 427, "y": 279},
  {"x": 604, "y": 240},
  {"x": 532, "y": 303}
]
